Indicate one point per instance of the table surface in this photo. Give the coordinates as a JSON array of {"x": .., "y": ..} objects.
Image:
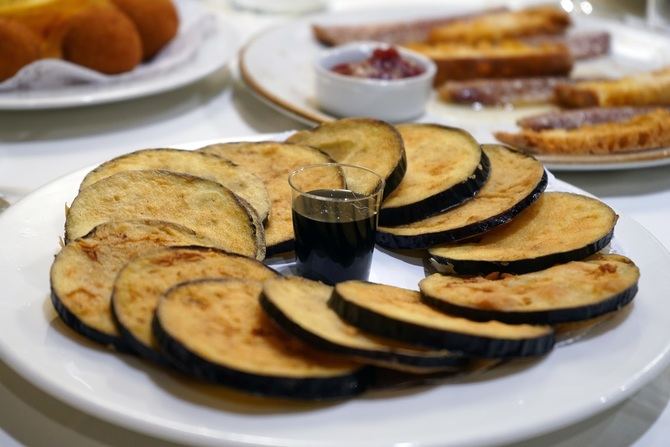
[{"x": 37, "y": 147}]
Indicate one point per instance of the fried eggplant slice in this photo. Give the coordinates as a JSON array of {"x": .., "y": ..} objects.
[
  {"x": 559, "y": 227},
  {"x": 204, "y": 206},
  {"x": 215, "y": 330}
]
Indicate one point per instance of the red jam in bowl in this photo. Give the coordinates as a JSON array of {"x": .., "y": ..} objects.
[{"x": 384, "y": 63}]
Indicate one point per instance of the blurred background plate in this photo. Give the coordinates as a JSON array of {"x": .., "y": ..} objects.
[
  {"x": 217, "y": 50},
  {"x": 277, "y": 67}
]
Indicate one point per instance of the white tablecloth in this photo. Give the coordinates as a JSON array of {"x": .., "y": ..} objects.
[{"x": 38, "y": 147}]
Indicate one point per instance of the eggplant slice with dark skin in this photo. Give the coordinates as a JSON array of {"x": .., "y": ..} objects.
[
  {"x": 515, "y": 181},
  {"x": 215, "y": 330},
  {"x": 82, "y": 275},
  {"x": 559, "y": 227},
  {"x": 142, "y": 281},
  {"x": 365, "y": 142},
  {"x": 400, "y": 314},
  {"x": 445, "y": 168},
  {"x": 575, "y": 291},
  {"x": 300, "y": 307},
  {"x": 206, "y": 207},
  {"x": 272, "y": 162},
  {"x": 243, "y": 183}
]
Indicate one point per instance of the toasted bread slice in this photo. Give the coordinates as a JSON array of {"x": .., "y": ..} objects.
[
  {"x": 273, "y": 162},
  {"x": 647, "y": 131},
  {"x": 241, "y": 182},
  {"x": 572, "y": 119},
  {"x": 503, "y": 25},
  {"x": 373, "y": 144},
  {"x": 582, "y": 45},
  {"x": 204, "y": 206},
  {"x": 83, "y": 273},
  {"x": 646, "y": 89},
  {"x": 491, "y": 92},
  {"x": 504, "y": 59},
  {"x": 390, "y": 32}
]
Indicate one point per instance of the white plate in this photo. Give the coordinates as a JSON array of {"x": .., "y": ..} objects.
[
  {"x": 511, "y": 403},
  {"x": 215, "y": 52},
  {"x": 277, "y": 67}
]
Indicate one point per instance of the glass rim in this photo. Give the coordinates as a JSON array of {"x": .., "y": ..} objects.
[{"x": 379, "y": 189}]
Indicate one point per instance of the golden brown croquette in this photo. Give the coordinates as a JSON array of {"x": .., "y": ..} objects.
[
  {"x": 156, "y": 20},
  {"x": 103, "y": 39},
  {"x": 19, "y": 46}
]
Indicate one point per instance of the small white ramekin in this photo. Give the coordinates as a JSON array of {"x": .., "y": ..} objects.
[{"x": 390, "y": 100}]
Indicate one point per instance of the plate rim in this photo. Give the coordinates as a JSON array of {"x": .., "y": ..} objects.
[
  {"x": 146, "y": 424},
  {"x": 647, "y": 158},
  {"x": 267, "y": 96},
  {"x": 141, "y": 88}
]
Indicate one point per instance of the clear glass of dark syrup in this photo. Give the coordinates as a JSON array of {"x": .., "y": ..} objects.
[{"x": 335, "y": 208}]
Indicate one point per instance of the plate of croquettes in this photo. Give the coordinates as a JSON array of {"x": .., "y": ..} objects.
[{"x": 69, "y": 53}]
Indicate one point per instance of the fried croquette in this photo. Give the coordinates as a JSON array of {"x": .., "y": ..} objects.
[
  {"x": 19, "y": 46},
  {"x": 103, "y": 39},
  {"x": 156, "y": 20}
]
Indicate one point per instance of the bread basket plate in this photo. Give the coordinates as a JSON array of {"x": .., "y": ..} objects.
[
  {"x": 291, "y": 89},
  {"x": 216, "y": 50},
  {"x": 520, "y": 400}
]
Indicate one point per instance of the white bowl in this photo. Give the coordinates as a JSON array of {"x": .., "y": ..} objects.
[{"x": 390, "y": 100}]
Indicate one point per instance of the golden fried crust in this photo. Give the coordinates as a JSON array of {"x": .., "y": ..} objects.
[
  {"x": 103, "y": 39},
  {"x": 156, "y": 21},
  {"x": 18, "y": 47}
]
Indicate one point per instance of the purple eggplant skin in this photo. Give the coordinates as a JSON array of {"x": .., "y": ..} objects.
[
  {"x": 136, "y": 346},
  {"x": 262, "y": 385},
  {"x": 555, "y": 316},
  {"x": 396, "y": 176},
  {"x": 133, "y": 345},
  {"x": 280, "y": 248},
  {"x": 391, "y": 241},
  {"x": 440, "y": 202},
  {"x": 470, "y": 345},
  {"x": 447, "y": 361},
  {"x": 474, "y": 267},
  {"x": 82, "y": 328}
]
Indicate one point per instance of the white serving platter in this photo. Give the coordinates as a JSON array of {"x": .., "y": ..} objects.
[{"x": 510, "y": 403}]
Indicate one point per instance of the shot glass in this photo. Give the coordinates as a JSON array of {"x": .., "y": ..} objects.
[{"x": 335, "y": 208}]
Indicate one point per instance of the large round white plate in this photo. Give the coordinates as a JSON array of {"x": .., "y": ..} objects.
[
  {"x": 277, "y": 67},
  {"x": 215, "y": 52},
  {"x": 510, "y": 403}
]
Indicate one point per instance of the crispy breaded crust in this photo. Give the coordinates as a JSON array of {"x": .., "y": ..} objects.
[
  {"x": 19, "y": 46},
  {"x": 157, "y": 22},
  {"x": 644, "y": 89},
  {"x": 102, "y": 38},
  {"x": 503, "y": 25},
  {"x": 646, "y": 131}
]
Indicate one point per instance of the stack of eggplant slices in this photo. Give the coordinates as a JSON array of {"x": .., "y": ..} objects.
[{"x": 163, "y": 259}]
